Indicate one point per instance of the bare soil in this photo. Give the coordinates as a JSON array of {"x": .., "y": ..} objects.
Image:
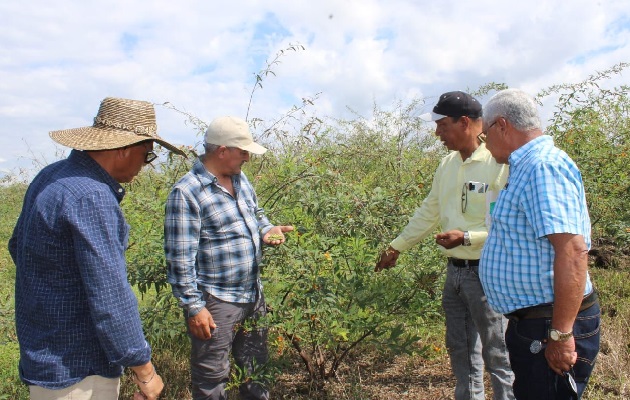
[{"x": 397, "y": 378}]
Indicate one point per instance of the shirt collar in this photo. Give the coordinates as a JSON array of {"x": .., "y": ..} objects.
[
  {"x": 83, "y": 159},
  {"x": 205, "y": 177},
  {"x": 478, "y": 154},
  {"x": 520, "y": 153},
  {"x": 208, "y": 178}
]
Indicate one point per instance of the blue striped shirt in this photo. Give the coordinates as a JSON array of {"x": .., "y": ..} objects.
[
  {"x": 212, "y": 240},
  {"x": 544, "y": 195},
  {"x": 75, "y": 312}
]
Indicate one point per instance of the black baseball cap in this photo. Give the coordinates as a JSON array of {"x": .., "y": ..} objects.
[{"x": 454, "y": 104}]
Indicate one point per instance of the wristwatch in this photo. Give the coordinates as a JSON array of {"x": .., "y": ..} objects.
[
  {"x": 466, "y": 239},
  {"x": 558, "y": 336}
]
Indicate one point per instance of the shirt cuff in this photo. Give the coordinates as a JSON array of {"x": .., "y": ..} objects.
[
  {"x": 194, "y": 309},
  {"x": 478, "y": 238},
  {"x": 264, "y": 230},
  {"x": 400, "y": 244}
]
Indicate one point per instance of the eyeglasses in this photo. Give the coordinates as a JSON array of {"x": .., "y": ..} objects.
[
  {"x": 482, "y": 136},
  {"x": 150, "y": 157}
]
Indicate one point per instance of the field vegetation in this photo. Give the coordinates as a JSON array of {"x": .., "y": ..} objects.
[{"x": 338, "y": 330}]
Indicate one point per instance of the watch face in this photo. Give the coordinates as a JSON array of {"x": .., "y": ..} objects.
[{"x": 554, "y": 335}]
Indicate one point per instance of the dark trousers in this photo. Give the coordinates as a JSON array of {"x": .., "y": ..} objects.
[
  {"x": 533, "y": 378},
  {"x": 210, "y": 359}
]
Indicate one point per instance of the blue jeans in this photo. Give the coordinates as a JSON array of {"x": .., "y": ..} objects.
[
  {"x": 475, "y": 336},
  {"x": 534, "y": 378},
  {"x": 209, "y": 359}
]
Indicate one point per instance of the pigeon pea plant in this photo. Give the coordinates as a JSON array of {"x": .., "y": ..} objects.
[
  {"x": 348, "y": 190},
  {"x": 591, "y": 123}
]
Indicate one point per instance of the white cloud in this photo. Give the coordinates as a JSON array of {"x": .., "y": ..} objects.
[{"x": 61, "y": 58}]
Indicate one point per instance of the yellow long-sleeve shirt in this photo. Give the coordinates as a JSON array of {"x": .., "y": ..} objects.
[{"x": 455, "y": 203}]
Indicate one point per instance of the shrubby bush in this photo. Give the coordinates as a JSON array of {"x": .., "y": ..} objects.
[
  {"x": 592, "y": 124},
  {"x": 348, "y": 190},
  {"x": 348, "y": 187}
]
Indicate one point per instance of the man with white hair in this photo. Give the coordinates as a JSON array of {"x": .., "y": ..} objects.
[{"x": 534, "y": 266}]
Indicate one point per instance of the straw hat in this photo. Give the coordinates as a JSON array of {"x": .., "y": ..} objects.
[{"x": 119, "y": 123}]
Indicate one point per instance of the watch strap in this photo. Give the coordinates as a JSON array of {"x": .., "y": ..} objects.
[{"x": 559, "y": 336}]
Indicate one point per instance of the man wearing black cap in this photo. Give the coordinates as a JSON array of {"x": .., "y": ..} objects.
[{"x": 459, "y": 201}]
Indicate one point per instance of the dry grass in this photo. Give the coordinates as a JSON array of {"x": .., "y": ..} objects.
[{"x": 611, "y": 378}]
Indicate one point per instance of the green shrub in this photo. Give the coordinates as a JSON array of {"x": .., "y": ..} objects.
[{"x": 592, "y": 124}]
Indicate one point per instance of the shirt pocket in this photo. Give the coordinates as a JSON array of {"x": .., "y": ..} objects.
[{"x": 475, "y": 204}]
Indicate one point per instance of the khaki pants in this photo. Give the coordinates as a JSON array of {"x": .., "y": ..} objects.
[{"x": 93, "y": 387}]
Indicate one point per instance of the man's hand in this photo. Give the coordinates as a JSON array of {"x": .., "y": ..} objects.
[
  {"x": 561, "y": 356},
  {"x": 450, "y": 239},
  {"x": 201, "y": 325},
  {"x": 387, "y": 260},
  {"x": 148, "y": 381},
  {"x": 275, "y": 236}
]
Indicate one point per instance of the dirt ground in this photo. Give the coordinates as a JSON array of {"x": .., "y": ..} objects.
[{"x": 401, "y": 378}]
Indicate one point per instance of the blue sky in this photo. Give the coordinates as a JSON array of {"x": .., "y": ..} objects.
[{"x": 60, "y": 59}]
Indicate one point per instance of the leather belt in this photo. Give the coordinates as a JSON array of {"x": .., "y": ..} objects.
[
  {"x": 546, "y": 310},
  {"x": 460, "y": 263}
]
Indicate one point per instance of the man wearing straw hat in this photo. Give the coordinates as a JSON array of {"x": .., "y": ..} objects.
[
  {"x": 77, "y": 318},
  {"x": 213, "y": 233}
]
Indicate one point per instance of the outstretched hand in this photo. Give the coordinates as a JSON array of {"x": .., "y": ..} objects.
[
  {"x": 387, "y": 260},
  {"x": 275, "y": 236}
]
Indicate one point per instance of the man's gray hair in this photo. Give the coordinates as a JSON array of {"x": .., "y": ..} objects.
[
  {"x": 515, "y": 106},
  {"x": 210, "y": 148}
]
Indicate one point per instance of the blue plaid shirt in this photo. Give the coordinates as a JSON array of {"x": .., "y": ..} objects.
[
  {"x": 212, "y": 240},
  {"x": 544, "y": 195},
  {"x": 75, "y": 312}
]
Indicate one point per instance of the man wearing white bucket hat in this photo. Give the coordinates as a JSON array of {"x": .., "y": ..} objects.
[
  {"x": 213, "y": 236},
  {"x": 77, "y": 318}
]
